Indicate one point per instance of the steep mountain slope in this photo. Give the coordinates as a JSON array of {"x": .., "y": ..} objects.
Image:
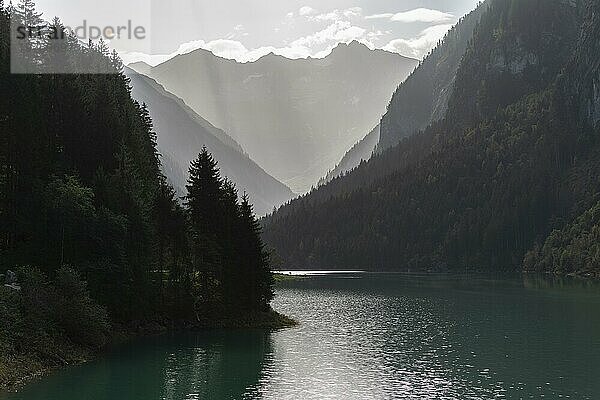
[
  {"x": 181, "y": 133},
  {"x": 420, "y": 100},
  {"x": 295, "y": 118},
  {"x": 361, "y": 151},
  {"x": 423, "y": 97},
  {"x": 511, "y": 160},
  {"x": 140, "y": 67},
  {"x": 575, "y": 248}
]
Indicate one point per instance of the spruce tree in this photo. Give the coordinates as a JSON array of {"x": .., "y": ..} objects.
[
  {"x": 203, "y": 203},
  {"x": 257, "y": 271},
  {"x": 5, "y": 135},
  {"x": 25, "y": 15},
  {"x": 204, "y": 192},
  {"x": 229, "y": 244},
  {"x": 29, "y": 16}
]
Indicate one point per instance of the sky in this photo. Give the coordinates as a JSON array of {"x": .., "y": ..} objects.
[{"x": 245, "y": 30}]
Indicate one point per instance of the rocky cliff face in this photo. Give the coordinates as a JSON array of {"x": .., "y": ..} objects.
[
  {"x": 519, "y": 47},
  {"x": 582, "y": 78},
  {"x": 423, "y": 97}
]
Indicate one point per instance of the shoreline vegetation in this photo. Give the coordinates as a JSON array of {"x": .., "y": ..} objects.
[{"x": 19, "y": 369}]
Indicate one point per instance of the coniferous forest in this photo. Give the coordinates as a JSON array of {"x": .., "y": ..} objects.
[{"x": 94, "y": 233}]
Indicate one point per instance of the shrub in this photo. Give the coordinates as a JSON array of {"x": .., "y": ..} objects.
[{"x": 81, "y": 318}]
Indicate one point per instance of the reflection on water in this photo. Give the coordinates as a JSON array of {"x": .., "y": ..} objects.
[
  {"x": 212, "y": 365},
  {"x": 222, "y": 368},
  {"x": 400, "y": 336},
  {"x": 372, "y": 336}
]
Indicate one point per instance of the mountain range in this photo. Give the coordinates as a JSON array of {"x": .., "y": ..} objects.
[
  {"x": 420, "y": 100},
  {"x": 294, "y": 118}
]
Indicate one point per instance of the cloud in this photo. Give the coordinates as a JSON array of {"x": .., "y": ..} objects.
[
  {"x": 338, "y": 15},
  {"x": 419, "y": 46},
  {"x": 352, "y": 12},
  {"x": 339, "y": 31},
  {"x": 155, "y": 59},
  {"x": 330, "y": 16},
  {"x": 422, "y": 15},
  {"x": 417, "y": 15},
  {"x": 190, "y": 46},
  {"x": 380, "y": 16},
  {"x": 226, "y": 48},
  {"x": 306, "y": 10},
  {"x": 289, "y": 19}
]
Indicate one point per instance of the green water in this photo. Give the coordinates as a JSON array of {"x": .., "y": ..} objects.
[{"x": 380, "y": 336}]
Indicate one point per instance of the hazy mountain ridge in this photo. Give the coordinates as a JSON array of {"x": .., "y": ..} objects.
[
  {"x": 480, "y": 187},
  {"x": 361, "y": 151},
  {"x": 295, "y": 118},
  {"x": 181, "y": 133}
]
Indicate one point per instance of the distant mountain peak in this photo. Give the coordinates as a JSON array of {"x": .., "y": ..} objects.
[
  {"x": 354, "y": 45},
  {"x": 355, "y": 48},
  {"x": 140, "y": 67},
  {"x": 270, "y": 56}
]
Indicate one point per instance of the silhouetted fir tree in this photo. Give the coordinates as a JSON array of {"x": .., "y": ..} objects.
[
  {"x": 203, "y": 202},
  {"x": 229, "y": 258},
  {"x": 204, "y": 192},
  {"x": 6, "y": 140},
  {"x": 229, "y": 243},
  {"x": 255, "y": 267},
  {"x": 29, "y": 49}
]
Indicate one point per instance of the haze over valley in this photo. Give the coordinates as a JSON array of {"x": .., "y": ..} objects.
[
  {"x": 294, "y": 118},
  {"x": 181, "y": 134}
]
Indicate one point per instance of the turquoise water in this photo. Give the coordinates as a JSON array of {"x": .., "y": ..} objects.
[{"x": 370, "y": 336}]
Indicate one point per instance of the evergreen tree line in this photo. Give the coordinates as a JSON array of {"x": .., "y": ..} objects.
[
  {"x": 516, "y": 156},
  {"x": 81, "y": 192}
]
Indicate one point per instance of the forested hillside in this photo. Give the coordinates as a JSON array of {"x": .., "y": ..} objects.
[
  {"x": 514, "y": 158},
  {"x": 574, "y": 248},
  {"x": 83, "y": 200}
]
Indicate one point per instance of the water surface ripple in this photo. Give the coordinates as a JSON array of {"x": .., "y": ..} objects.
[{"x": 371, "y": 336}]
